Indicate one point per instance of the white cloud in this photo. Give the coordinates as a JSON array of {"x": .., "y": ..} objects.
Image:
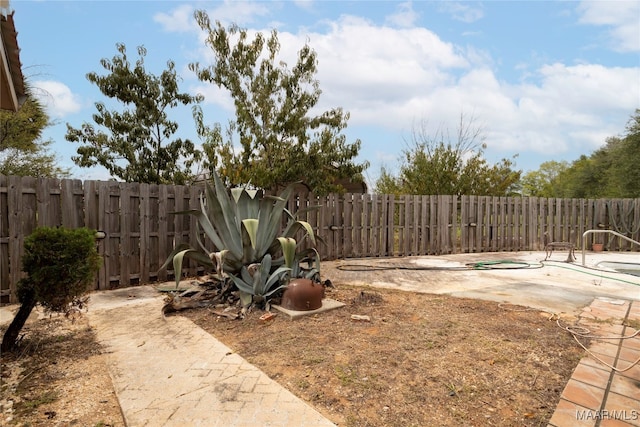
[
  {"x": 227, "y": 12},
  {"x": 591, "y": 86},
  {"x": 366, "y": 68},
  {"x": 304, "y": 4},
  {"x": 57, "y": 98},
  {"x": 622, "y": 18},
  {"x": 405, "y": 17},
  {"x": 179, "y": 20},
  {"x": 471, "y": 33},
  {"x": 464, "y": 12},
  {"x": 385, "y": 157},
  {"x": 213, "y": 95},
  {"x": 390, "y": 77},
  {"x": 374, "y": 68},
  {"x": 241, "y": 13},
  {"x": 570, "y": 108}
]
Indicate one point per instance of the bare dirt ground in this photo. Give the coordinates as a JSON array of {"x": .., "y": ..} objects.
[
  {"x": 57, "y": 377},
  {"x": 421, "y": 360}
]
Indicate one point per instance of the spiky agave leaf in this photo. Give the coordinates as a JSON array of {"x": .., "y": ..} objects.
[
  {"x": 291, "y": 230},
  {"x": 181, "y": 247},
  {"x": 246, "y": 228},
  {"x": 177, "y": 256},
  {"x": 288, "y": 245},
  {"x": 251, "y": 226},
  {"x": 223, "y": 211},
  {"x": 204, "y": 222},
  {"x": 275, "y": 277},
  {"x": 311, "y": 256},
  {"x": 189, "y": 253},
  {"x": 246, "y": 203},
  {"x": 261, "y": 283},
  {"x": 294, "y": 226},
  {"x": 270, "y": 218}
]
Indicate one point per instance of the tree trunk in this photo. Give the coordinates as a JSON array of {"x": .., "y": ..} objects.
[{"x": 12, "y": 332}]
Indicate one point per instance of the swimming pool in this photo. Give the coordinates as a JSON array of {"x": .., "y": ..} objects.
[{"x": 621, "y": 267}]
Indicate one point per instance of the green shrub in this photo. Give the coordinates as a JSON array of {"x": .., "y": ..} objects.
[{"x": 60, "y": 264}]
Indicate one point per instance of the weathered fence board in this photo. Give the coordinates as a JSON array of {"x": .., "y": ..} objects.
[
  {"x": 145, "y": 232},
  {"x": 4, "y": 239},
  {"x": 141, "y": 227}
]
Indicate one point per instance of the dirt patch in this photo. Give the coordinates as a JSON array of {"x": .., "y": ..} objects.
[
  {"x": 57, "y": 377},
  {"x": 421, "y": 360}
]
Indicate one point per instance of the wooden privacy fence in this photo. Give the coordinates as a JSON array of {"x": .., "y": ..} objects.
[
  {"x": 366, "y": 225},
  {"x": 141, "y": 229}
]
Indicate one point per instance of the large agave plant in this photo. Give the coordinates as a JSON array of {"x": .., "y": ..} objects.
[{"x": 244, "y": 227}]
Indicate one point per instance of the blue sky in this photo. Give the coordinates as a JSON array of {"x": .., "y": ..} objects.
[{"x": 545, "y": 80}]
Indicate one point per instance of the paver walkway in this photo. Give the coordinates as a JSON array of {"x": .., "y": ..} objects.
[
  {"x": 169, "y": 372},
  {"x": 597, "y": 395}
]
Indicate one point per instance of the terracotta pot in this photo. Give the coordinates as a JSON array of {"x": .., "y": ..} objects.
[
  {"x": 303, "y": 295},
  {"x": 597, "y": 247}
]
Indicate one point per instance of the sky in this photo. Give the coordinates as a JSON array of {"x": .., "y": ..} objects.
[{"x": 544, "y": 80}]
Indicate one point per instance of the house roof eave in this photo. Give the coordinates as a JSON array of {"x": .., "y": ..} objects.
[{"x": 12, "y": 80}]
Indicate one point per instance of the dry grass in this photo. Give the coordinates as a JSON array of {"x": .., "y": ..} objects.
[
  {"x": 422, "y": 359},
  {"x": 57, "y": 377}
]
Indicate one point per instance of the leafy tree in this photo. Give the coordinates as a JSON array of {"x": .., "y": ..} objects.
[
  {"x": 438, "y": 165},
  {"x": 40, "y": 163},
  {"x": 136, "y": 145},
  {"x": 583, "y": 179},
  {"x": 21, "y": 130},
  {"x": 280, "y": 141},
  {"x": 610, "y": 171},
  {"x": 60, "y": 264},
  {"x": 22, "y": 150},
  {"x": 624, "y": 173},
  {"x": 546, "y": 181}
]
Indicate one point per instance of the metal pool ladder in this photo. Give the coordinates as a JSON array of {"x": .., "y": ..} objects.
[{"x": 615, "y": 233}]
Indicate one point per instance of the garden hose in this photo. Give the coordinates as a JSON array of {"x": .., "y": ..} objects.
[
  {"x": 370, "y": 267},
  {"x": 502, "y": 265},
  {"x": 592, "y": 274},
  {"x": 483, "y": 265}
]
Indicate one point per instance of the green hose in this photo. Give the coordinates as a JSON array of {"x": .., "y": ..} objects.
[
  {"x": 501, "y": 265},
  {"x": 593, "y": 274}
]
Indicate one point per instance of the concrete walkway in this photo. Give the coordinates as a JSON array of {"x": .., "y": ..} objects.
[{"x": 169, "y": 372}]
